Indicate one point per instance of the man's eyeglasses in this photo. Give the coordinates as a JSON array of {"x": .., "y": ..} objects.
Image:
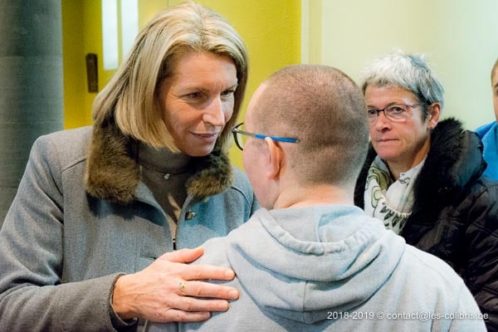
[
  {"x": 239, "y": 137},
  {"x": 394, "y": 112}
]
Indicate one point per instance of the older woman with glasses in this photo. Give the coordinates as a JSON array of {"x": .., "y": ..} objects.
[{"x": 423, "y": 177}]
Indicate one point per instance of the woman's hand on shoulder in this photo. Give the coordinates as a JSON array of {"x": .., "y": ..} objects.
[{"x": 171, "y": 290}]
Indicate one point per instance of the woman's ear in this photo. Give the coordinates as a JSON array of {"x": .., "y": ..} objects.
[{"x": 434, "y": 114}]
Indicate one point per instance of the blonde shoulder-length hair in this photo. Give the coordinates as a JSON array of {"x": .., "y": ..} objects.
[{"x": 131, "y": 97}]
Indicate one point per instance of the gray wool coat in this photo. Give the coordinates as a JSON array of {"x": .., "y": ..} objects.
[{"x": 82, "y": 216}]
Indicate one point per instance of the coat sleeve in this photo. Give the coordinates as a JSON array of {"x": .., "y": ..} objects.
[
  {"x": 33, "y": 296},
  {"x": 481, "y": 270}
]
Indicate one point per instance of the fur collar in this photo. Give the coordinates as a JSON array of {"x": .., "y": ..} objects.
[
  {"x": 112, "y": 172},
  {"x": 453, "y": 163}
]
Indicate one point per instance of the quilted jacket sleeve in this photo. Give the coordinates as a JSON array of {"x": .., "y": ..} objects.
[{"x": 481, "y": 241}]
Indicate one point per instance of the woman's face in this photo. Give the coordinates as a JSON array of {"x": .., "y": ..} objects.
[
  {"x": 399, "y": 143},
  {"x": 197, "y": 100}
]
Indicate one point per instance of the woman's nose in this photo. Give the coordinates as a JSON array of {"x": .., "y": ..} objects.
[
  {"x": 382, "y": 121},
  {"x": 214, "y": 113}
]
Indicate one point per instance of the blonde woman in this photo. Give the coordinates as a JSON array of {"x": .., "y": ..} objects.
[{"x": 89, "y": 241}]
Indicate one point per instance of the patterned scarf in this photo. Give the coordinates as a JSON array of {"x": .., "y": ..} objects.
[{"x": 389, "y": 200}]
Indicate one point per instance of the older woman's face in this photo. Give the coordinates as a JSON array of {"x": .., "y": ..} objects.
[
  {"x": 405, "y": 143},
  {"x": 197, "y": 100}
]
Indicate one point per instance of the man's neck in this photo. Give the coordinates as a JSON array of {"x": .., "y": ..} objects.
[{"x": 300, "y": 196}]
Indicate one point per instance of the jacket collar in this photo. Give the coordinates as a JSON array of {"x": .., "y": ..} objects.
[
  {"x": 454, "y": 161},
  {"x": 112, "y": 171}
]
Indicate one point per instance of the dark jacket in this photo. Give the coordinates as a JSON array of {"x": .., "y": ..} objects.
[{"x": 455, "y": 212}]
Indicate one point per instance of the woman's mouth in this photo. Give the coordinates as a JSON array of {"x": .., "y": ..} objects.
[{"x": 207, "y": 137}]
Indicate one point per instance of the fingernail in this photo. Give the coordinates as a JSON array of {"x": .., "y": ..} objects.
[
  {"x": 233, "y": 294},
  {"x": 229, "y": 274}
]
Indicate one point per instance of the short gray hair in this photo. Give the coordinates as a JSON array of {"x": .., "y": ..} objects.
[{"x": 408, "y": 71}]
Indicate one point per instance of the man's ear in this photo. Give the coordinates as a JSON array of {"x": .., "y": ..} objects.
[
  {"x": 275, "y": 158},
  {"x": 434, "y": 113}
]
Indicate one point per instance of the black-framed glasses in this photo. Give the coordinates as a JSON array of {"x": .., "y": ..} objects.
[
  {"x": 239, "y": 134},
  {"x": 394, "y": 112}
]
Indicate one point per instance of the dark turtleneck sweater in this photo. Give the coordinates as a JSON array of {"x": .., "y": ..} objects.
[{"x": 165, "y": 174}]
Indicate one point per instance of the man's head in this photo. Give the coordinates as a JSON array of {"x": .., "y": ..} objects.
[
  {"x": 494, "y": 87},
  {"x": 321, "y": 107}
]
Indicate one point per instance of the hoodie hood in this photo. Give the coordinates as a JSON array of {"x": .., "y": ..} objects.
[{"x": 303, "y": 263}]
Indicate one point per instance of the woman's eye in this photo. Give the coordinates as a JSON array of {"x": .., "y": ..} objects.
[
  {"x": 372, "y": 112},
  {"x": 228, "y": 93},
  {"x": 194, "y": 95},
  {"x": 396, "y": 110}
]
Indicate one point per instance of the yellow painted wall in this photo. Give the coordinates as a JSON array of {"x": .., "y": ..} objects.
[
  {"x": 82, "y": 26},
  {"x": 73, "y": 64},
  {"x": 271, "y": 30},
  {"x": 459, "y": 37}
]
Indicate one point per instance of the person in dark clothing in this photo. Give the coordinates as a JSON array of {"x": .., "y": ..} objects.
[{"x": 424, "y": 179}]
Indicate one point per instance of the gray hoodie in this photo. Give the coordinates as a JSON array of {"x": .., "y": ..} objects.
[{"x": 333, "y": 268}]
